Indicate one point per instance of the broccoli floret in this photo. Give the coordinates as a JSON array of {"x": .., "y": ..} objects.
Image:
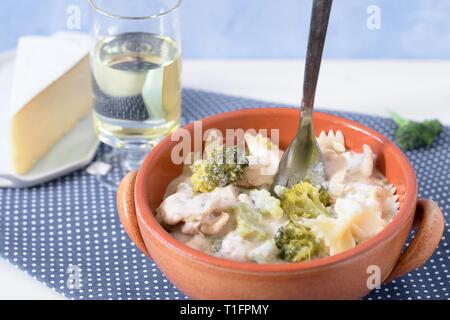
[
  {"x": 222, "y": 166},
  {"x": 324, "y": 196},
  {"x": 201, "y": 180},
  {"x": 303, "y": 200},
  {"x": 412, "y": 135},
  {"x": 297, "y": 243},
  {"x": 249, "y": 222}
]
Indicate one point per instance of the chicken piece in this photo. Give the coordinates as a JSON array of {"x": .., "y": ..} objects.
[
  {"x": 214, "y": 223},
  {"x": 191, "y": 227},
  {"x": 199, "y": 242},
  {"x": 190, "y": 208}
]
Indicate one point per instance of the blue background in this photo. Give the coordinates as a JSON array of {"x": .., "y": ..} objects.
[{"x": 269, "y": 28}]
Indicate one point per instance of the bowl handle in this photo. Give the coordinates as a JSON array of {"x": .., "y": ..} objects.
[
  {"x": 127, "y": 210},
  {"x": 429, "y": 224}
]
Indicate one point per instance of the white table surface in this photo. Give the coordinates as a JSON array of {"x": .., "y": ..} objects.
[{"x": 416, "y": 89}]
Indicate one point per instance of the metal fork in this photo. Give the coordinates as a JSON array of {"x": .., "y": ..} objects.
[{"x": 303, "y": 160}]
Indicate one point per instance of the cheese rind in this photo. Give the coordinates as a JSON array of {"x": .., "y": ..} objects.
[{"x": 51, "y": 93}]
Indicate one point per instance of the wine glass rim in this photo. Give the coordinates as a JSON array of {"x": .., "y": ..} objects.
[{"x": 117, "y": 16}]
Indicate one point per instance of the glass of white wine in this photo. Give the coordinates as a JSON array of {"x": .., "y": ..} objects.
[{"x": 136, "y": 71}]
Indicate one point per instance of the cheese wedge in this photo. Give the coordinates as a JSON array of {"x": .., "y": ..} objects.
[{"x": 51, "y": 92}]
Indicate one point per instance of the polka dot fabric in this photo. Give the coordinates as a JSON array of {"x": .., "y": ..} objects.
[{"x": 72, "y": 221}]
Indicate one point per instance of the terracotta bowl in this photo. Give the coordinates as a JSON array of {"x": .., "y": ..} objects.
[{"x": 348, "y": 275}]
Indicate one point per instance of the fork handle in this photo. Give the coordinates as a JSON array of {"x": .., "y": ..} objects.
[{"x": 317, "y": 33}]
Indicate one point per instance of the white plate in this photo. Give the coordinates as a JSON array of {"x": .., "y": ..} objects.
[{"x": 74, "y": 151}]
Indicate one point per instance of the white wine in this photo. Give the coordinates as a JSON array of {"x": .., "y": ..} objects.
[{"x": 137, "y": 89}]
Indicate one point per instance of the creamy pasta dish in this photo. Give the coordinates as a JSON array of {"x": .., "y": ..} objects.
[{"x": 221, "y": 204}]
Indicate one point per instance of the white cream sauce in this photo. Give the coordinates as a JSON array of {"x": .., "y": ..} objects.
[{"x": 202, "y": 221}]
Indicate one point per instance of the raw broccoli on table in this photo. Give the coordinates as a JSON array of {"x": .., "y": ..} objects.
[
  {"x": 222, "y": 166},
  {"x": 412, "y": 135},
  {"x": 297, "y": 243}
]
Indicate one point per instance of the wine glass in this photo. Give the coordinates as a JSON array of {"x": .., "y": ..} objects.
[{"x": 135, "y": 59}]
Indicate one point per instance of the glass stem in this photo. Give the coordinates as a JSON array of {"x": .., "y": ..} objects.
[{"x": 132, "y": 159}]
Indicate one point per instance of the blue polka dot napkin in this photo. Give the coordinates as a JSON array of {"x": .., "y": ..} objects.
[{"x": 67, "y": 234}]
